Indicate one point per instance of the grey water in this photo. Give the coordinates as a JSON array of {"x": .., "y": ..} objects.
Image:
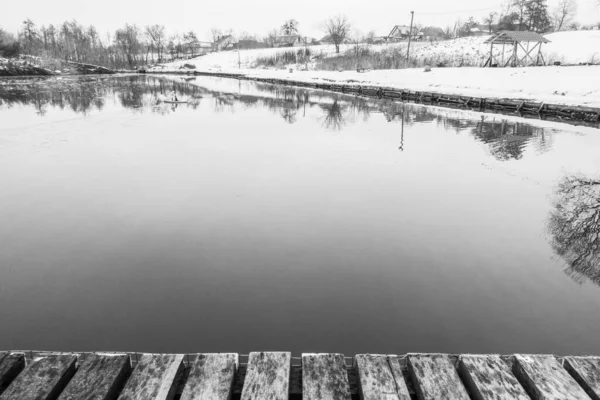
[{"x": 258, "y": 217}]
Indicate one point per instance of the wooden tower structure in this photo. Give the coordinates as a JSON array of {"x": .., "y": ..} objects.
[{"x": 517, "y": 39}]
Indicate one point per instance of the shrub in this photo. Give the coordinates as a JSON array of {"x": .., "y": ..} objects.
[{"x": 284, "y": 58}]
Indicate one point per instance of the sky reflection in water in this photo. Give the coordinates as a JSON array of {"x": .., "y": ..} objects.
[{"x": 265, "y": 218}]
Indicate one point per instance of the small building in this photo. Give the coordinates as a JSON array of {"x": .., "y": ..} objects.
[
  {"x": 197, "y": 48},
  {"x": 247, "y": 44},
  {"x": 288, "y": 41},
  {"x": 479, "y": 30},
  {"x": 225, "y": 42},
  {"x": 433, "y": 33},
  {"x": 529, "y": 55},
  {"x": 401, "y": 32}
]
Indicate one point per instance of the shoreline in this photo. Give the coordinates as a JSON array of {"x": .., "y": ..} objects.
[{"x": 585, "y": 115}]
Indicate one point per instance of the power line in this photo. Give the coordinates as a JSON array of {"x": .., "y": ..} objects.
[{"x": 461, "y": 11}]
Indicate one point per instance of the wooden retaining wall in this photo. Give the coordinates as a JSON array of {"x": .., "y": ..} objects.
[
  {"x": 278, "y": 375},
  {"x": 589, "y": 116}
]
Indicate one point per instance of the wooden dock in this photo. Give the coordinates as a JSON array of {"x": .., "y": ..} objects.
[{"x": 278, "y": 375}]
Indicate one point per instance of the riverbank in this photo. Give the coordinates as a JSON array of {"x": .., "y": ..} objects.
[
  {"x": 572, "y": 86},
  {"x": 34, "y": 66},
  {"x": 499, "y": 90}
]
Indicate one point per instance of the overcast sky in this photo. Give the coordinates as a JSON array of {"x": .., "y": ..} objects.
[{"x": 255, "y": 16}]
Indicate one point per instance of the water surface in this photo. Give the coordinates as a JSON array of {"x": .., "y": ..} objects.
[{"x": 258, "y": 217}]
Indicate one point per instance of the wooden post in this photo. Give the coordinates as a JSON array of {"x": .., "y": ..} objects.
[
  {"x": 515, "y": 59},
  {"x": 503, "y": 44},
  {"x": 537, "y": 61},
  {"x": 491, "y": 54}
]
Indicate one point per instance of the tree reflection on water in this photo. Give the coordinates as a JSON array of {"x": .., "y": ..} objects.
[
  {"x": 505, "y": 139},
  {"x": 333, "y": 116},
  {"x": 574, "y": 227}
]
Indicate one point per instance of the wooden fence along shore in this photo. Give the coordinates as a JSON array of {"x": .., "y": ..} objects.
[
  {"x": 277, "y": 375},
  {"x": 589, "y": 116}
]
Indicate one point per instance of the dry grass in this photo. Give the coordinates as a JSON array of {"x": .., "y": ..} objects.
[{"x": 281, "y": 59}]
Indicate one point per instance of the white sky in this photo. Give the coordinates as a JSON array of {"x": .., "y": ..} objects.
[{"x": 255, "y": 16}]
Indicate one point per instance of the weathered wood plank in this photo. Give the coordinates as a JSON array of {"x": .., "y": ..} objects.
[
  {"x": 43, "y": 379},
  {"x": 380, "y": 377},
  {"x": 100, "y": 377},
  {"x": 544, "y": 378},
  {"x": 154, "y": 377},
  {"x": 267, "y": 377},
  {"x": 435, "y": 377},
  {"x": 488, "y": 378},
  {"x": 586, "y": 371},
  {"x": 324, "y": 377},
  {"x": 211, "y": 377},
  {"x": 10, "y": 366}
]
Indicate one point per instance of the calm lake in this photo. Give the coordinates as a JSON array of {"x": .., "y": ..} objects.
[{"x": 258, "y": 217}]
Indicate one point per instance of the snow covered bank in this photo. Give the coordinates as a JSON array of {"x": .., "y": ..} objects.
[
  {"x": 26, "y": 65},
  {"x": 576, "y": 86},
  {"x": 573, "y": 47},
  {"x": 23, "y": 65}
]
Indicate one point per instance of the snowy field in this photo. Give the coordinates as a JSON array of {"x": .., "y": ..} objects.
[
  {"x": 572, "y": 85},
  {"x": 567, "y": 47}
]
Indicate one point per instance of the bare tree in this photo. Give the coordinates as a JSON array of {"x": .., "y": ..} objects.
[
  {"x": 271, "y": 37},
  {"x": 489, "y": 20},
  {"x": 290, "y": 27},
  {"x": 128, "y": 40},
  {"x": 190, "y": 41},
  {"x": 448, "y": 32},
  {"x": 370, "y": 37},
  {"x": 505, "y": 9},
  {"x": 215, "y": 33},
  {"x": 29, "y": 34},
  {"x": 564, "y": 13},
  {"x": 92, "y": 34},
  {"x": 157, "y": 35},
  {"x": 520, "y": 7},
  {"x": 338, "y": 29}
]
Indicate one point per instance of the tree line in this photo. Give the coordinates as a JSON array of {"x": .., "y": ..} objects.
[
  {"x": 132, "y": 46},
  {"x": 530, "y": 15},
  {"x": 127, "y": 47}
]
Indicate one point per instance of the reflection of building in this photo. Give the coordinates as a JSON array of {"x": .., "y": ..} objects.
[{"x": 506, "y": 139}]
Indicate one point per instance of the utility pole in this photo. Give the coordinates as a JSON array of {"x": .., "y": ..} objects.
[{"x": 412, "y": 15}]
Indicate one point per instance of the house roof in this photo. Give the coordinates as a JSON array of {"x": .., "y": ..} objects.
[
  {"x": 517, "y": 36},
  {"x": 433, "y": 31},
  {"x": 403, "y": 29},
  {"x": 224, "y": 38}
]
